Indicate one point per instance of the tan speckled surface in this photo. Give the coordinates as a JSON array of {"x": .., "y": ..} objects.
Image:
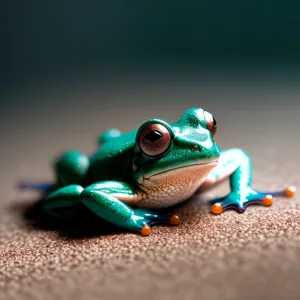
[{"x": 255, "y": 255}]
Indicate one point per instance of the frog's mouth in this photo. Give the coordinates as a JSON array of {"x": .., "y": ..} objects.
[{"x": 198, "y": 169}]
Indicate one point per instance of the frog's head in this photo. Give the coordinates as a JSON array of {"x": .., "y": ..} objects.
[{"x": 167, "y": 152}]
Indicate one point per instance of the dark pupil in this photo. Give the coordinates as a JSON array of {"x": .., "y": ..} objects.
[
  {"x": 153, "y": 136},
  {"x": 215, "y": 122}
]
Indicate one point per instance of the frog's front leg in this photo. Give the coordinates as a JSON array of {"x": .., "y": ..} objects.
[
  {"x": 106, "y": 199},
  {"x": 236, "y": 164}
]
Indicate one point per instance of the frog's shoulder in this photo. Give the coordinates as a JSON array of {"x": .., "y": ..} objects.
[{"x": 116, "y": 145}]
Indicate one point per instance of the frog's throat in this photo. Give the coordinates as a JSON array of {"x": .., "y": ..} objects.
[{"x": 172, "y": 186}]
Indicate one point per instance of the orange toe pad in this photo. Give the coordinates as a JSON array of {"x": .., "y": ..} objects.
[
  {"x": 174, "y": 220},
  {"x": 290, "y": 191},
  {"x": 146, "y": 230},
  {"x": 268, "y": 200},
  {"x": 217, "y": 208}
]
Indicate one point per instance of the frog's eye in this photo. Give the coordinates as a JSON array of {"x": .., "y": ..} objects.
[
  {"x": 154, "y": 139},
  {"x": 211, "y": 123}
]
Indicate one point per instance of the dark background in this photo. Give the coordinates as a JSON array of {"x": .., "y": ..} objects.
[{"x": 59, "y": 38}]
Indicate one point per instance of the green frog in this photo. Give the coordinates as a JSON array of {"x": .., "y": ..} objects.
[{"x": 156, "y": 166}]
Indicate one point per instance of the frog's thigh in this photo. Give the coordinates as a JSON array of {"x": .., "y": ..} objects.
[
  {"x": 64, "y": 198},
  {"x": 71, "y": 168},
  {"x": 229, "y": 161}
]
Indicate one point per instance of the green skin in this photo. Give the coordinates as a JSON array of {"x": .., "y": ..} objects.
[{"x": 119, "y": 183}]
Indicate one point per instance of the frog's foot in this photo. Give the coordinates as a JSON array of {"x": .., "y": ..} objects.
[
  {"x": 239, "y": 200},
  {"x": 145, "y": 219}
]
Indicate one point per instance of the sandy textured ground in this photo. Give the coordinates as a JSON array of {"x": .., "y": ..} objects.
[{"x": 255, "y": 255}]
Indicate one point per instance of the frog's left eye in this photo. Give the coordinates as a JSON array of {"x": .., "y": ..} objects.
[
  {"x": 154, "y": 139},
  {"x": 211, "y": 123}
]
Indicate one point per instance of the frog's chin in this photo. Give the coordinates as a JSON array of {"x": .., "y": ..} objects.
[{"x": 206, "y": 166}]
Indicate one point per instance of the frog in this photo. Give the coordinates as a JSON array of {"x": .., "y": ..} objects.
[{"x": 133, "y": 175}]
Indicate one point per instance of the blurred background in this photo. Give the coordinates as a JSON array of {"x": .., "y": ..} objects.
[
  {"x": 70, "y": 70},
  {"x": 60, "y": 37}
]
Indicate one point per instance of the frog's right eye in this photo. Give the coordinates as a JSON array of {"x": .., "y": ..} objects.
[
  {"x": 211, "y": 123},
  {"x": 154, "y": 139}
]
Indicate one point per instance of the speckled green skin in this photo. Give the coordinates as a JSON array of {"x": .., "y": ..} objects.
[{"x": 111, "y": 181}]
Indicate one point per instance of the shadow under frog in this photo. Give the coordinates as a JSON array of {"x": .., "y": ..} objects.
[{"x": 84, "y": 224}]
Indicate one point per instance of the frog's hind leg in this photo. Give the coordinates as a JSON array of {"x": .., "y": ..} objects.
[
  {"x": 71, "y": 168},
  {"x": 61, "y": 202},
  {"x": 236, "y": 164}
]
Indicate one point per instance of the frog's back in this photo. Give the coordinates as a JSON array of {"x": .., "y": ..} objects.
[{"x": 112, "y": 158}]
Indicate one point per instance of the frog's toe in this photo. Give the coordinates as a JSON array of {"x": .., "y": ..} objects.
[
  {"x": 146, "y": 230},
  {"x": 234, "y": 200},
  {"x": 156, "y": 219},
  {"x": 267, "y": 200},
  {"x": 174, "y": 220},
  {"x": 290, "y": 191},
  {"x": 221, "y": 206},
  {"x": 217, "y": 208},
  {"x": 146, "y": 219},
  {"x": 159, "y": 220},
  {"x": 231, "y": 201}
]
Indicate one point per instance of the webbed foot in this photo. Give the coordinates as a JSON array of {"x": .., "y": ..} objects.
[
  {"x": 240, "y": 200},
  {"x": 145, "y": 219}
]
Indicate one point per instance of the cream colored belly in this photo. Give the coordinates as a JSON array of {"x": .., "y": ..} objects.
[{"x": 172, "y": 187}]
